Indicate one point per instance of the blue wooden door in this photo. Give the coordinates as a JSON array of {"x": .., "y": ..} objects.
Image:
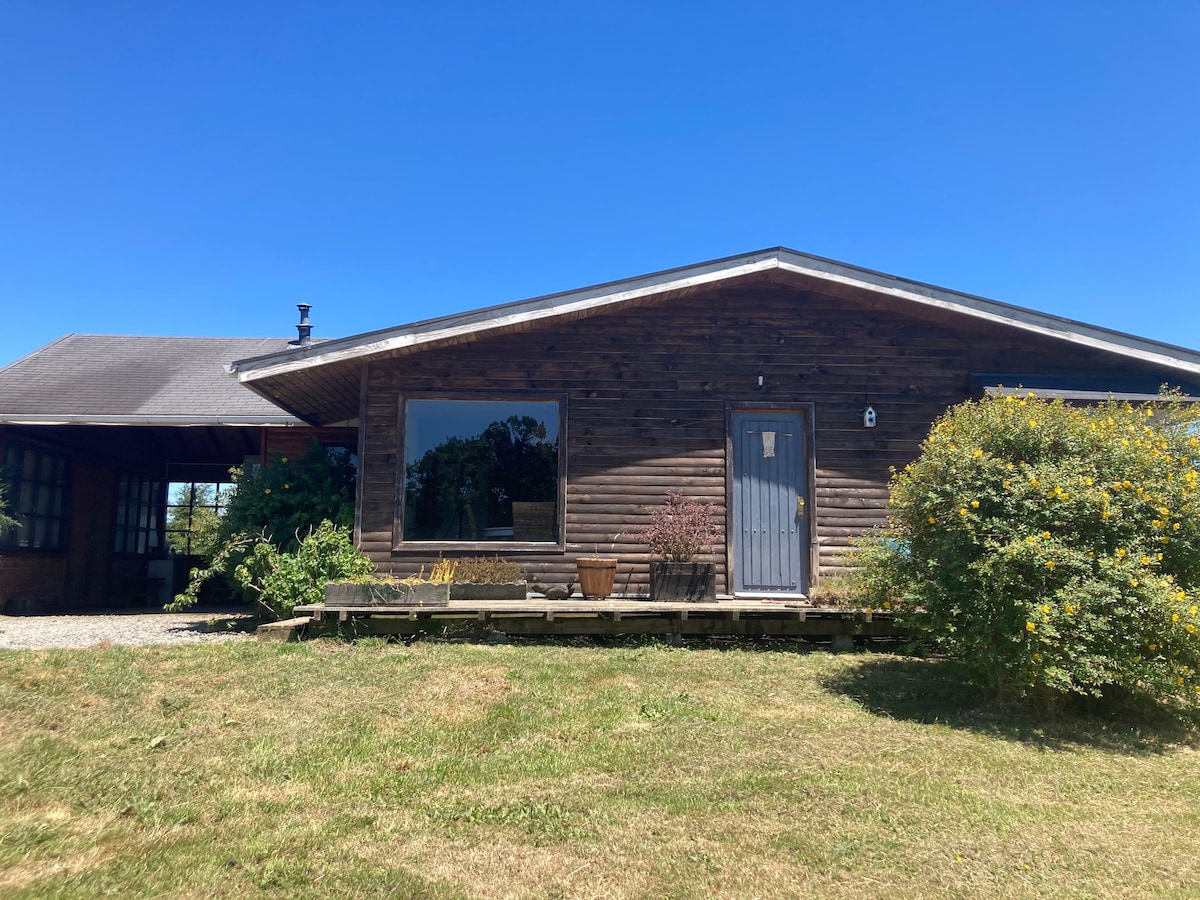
[{"x": 770, "y": 499}]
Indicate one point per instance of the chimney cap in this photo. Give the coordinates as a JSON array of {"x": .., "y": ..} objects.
[{"x": 304, "y": 329}]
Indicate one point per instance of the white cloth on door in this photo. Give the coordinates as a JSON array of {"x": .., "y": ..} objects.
[{"x": 768, "y": 444}]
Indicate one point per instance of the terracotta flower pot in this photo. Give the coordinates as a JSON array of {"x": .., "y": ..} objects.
[{"x": 596, "y": 577}]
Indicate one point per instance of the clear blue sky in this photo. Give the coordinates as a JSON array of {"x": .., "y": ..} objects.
[{"x": 199, "y": 168}]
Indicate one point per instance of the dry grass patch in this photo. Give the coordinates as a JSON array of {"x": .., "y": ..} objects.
[{"x": 447, "y": 770}]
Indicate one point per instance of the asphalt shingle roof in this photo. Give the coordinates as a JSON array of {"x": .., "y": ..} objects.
[{"x": 95, "y": 376}]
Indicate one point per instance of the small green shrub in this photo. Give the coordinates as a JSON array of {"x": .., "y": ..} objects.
[
  {"x": 1050, "y": 546},
  {"x": 6, "y": 521},
  {"x": 277, "y": 580}
]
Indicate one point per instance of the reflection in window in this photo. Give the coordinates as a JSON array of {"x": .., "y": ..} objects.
[
  {"x": 36, "y": 483},
  {"x": 478, "y": 470}
]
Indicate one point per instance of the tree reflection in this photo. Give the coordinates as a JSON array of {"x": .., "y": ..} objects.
[{"x": 464, "y": 488}]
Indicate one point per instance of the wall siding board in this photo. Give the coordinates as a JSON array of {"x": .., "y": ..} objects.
[{"x": 648, "y": 391}]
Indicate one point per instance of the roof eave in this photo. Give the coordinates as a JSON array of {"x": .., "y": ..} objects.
[
  {"x": 173, "y": 421},
  {"x": 511, "y": 315}
]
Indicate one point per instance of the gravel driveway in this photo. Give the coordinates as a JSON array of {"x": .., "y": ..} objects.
[{"x": 124, "y": 628}]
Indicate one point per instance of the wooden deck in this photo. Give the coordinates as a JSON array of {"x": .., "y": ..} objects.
[{"x": 742, "y": 617}]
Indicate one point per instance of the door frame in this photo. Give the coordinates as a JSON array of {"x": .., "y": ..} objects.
[{"x": 807, "y": 411}]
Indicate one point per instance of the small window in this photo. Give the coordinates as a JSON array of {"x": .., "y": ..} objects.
[
  {"x": 36, "y": 482},
  {"x": 139, "y": 508},
  {"x": 481, "y": 471}
]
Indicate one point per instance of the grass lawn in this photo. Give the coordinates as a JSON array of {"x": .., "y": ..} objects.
[{"x": 561, "y": 770}]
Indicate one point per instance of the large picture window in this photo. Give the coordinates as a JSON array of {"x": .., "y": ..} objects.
[
  {"x": 37, "y": 493},
  {"x": 481, "y": 471}
]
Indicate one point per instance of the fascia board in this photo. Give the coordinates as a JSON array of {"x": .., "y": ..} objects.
[
  {"x": 553, "y": 306},
  {"x": 993, "y": 311},
  {"x": 174, "y": 421},
  {"x": 482, "y": 321}
]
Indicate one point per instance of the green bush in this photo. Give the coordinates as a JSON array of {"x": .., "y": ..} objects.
[
  {"x": 1051, "y": 546},
  {"x": 284, "y": 500},
  {"x": 268, "y": 546},
  {"x": 277, "y": 580}
]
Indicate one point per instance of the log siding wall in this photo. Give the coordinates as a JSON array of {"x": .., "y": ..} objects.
[{"x": 648, "y": 390}]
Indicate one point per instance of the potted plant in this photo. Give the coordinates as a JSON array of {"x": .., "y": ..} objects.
[
  {"x": 597, "y": 574},
  {"x": 679, "y": 531},
  {"x": 486, "y": 578}
]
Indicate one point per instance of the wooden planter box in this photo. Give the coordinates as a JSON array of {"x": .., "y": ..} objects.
[
  {"x": 349, "y": 593},
  {"x": 683, "y": 582},
  {"x": 466, "y": 590}
]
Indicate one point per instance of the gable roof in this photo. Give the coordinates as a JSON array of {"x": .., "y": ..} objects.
[
  {"x": 93, "y": 379},
  {"x": 290, "y": 377}
]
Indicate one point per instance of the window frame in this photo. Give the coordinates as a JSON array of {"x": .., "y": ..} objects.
[
  {"x": 154, "y": 505},
  {"x": 222, "y": 493},
  {"x": 399, "y": 544},
  {"x": 10, "y": 538}
]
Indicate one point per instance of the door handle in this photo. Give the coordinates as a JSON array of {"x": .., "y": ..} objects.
[{"x": 799, "y": 507}]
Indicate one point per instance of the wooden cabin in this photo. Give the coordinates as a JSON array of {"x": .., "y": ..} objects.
[
  {"x": 779, "y": 387},
  {"x": 93, "y": 430}
]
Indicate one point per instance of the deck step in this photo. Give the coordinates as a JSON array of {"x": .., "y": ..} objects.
[{"x": 287, "y": 630}]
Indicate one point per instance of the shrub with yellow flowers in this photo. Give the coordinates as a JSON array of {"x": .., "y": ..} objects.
[{"x": 1053, "y": 546}]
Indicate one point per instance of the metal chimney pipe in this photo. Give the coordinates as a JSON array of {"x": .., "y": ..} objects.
[{"x": 304, "y": 329}]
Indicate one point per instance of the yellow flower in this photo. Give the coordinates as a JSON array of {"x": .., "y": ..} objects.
[
  {"x": 1045, "y": 609},
  {"x": 266, "y": 490},
  {"x": 283, "y": 459},
  {"x": 1033, "y": 423},
  {"x": 1070, "y": 609},
  {"x": 1033, "y": 481},
  {"x": 1046, "y": 535},
  {"x": 977, "y": 454},
  {"x": 1191, "y": 628},
  {"x": 974, "y": 504},
  {"x": 932, "y": 520},
  {"x": 1049, "y": 565},
  {"x": 1145, "y": 560},
  {"x": 1029, "y": 626},
  {"x": 1030, "y": 539},
  {"x": 962, "y": 511},
  {"x": 1007, "y": 484},
  {"x": 1120, "y": 551},
  {"x": 1175, "y": 527},
  {"x": 286, "y": 486},
  {"x": 1174, "y": 617},
  {"x": 1133, "y": 581},
  {"x": 1192, "y": 610}
]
